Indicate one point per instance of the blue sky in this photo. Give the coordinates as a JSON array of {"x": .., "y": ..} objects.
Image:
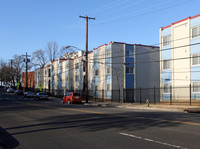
[{"x": 27, "y": 25}]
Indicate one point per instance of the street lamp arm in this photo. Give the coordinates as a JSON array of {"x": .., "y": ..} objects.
[{"x": 67, "y": 47}]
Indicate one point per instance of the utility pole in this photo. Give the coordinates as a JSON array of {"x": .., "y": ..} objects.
[
  {"x": 86, "y": 57},
  {"x": 26, "y": 60}
]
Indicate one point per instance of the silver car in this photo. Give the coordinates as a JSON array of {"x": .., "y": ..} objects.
[
  {"x": 10, "y": 90},
  {"x": 29, "y": 94}
]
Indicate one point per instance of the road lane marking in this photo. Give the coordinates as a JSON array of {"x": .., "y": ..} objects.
[
  {"x": 93, "y": 112},
  {"x": 151, "y": 140}
]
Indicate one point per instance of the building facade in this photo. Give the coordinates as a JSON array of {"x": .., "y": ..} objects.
[
  {"x": 112, "y": 68},
  {"x": 30, "y": 79},
  {"x": 180, "y": 65}
]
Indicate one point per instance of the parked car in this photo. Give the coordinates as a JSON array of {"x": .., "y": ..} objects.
[
  {"x": 41, "y": 95},
  {"x": 19, "y": 92},
  {"x": 10, "y": 90},
  {"x": 72, "y": 98},
  {"x": 29, "y": 94}
]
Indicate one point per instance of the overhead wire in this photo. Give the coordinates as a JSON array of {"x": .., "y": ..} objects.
[{"x": 151, "y": 12}]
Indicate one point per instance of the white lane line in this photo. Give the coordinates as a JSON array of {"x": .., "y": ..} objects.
[{"x": 150, "y": 140}]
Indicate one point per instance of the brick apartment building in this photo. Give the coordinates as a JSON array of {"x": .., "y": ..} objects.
[{"x": 31, "y": 79}]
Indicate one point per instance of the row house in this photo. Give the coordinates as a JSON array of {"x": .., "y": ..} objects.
[{"x": 179, "y": 57}]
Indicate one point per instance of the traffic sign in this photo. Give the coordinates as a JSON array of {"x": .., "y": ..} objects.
[
  {"x": 18, "y": 84},
  {"x": 40, "y": 85}
]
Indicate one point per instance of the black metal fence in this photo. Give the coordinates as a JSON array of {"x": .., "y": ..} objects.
[{"x": 173, "y": 95}]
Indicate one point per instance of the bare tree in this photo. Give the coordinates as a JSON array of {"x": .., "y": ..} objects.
[
  {"x": 17, "y": 68},
  {"x": 39, "y": 58},
  {"x": 4, "y": 69},
  {"x": 52, "y": 50}
]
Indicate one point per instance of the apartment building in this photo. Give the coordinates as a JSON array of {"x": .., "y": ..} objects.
[
  {"x": 118, "y": 66},
  {"x": 180, "y": 62},
  {"x": 112, "y": 68}
]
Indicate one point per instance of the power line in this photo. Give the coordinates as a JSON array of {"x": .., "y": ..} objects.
[
  {"x": 154, "y": 11},
  {"x": 105, "y": 7},
  {"x": 154, "y": 51}
]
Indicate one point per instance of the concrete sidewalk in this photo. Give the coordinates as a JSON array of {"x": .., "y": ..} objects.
[{"x": 160, "y": 107}]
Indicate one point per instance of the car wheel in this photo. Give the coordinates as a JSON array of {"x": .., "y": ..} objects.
[
  {"x": 62, "y": 102},
  {"x": 68, "y": 102}
]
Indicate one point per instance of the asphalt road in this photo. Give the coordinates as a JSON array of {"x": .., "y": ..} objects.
[{"x": 29, "y": 124}]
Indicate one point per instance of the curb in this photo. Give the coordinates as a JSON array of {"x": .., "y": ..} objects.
[{"x": 154, "y": 108}]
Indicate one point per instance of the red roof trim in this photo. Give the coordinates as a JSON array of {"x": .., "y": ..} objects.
[
  {"x": 165, "y": 27},
  {"x": 180, "y": 21},
  {"x": 100, "y": 46},
  {"x": 195, "y": 16}
]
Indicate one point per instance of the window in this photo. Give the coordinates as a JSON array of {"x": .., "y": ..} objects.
[
  {"x": 108, "y": 53},
  {"x": 196, "y": 86},
  {"x": 166, "y": 40},
  {"x": 195, "y": 31},
  {"x": 129, "y": 70},
  {"x": 107, "y": 87},
  {"x": 96, "y": 72},
  {"x": 196, "y": 59},
  {"x": 67, "y": 78},
  {"x": 49, "y": 73},
  {"x": 76, "y": 78},
  {"x": 166, "y": 64},
  {"x": 129, "y": 53},
  {"x": 108, "y": 70},
  {"x": 167, "y": 88},
  {"x": 76, "y": 66},
  {"x": 96, "y": 87}
]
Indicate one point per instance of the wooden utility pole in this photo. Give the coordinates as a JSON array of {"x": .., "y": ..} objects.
[
  {"x": 26, "y": 60},
  {"x": 86, "y": 57}
]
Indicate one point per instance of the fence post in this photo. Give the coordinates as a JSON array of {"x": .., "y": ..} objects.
[
  {"x": 154, "y": 99},
  {"x": 112, "y": 95},
  {"x": 190, "y": 95},
  {"x": 123, "y": 99},
  {"x": 133, "y": 95},
  {"x": 170, "y": 95},
  {"x": 95, "y": 96},
  {"x": 119, "y": 96},
  {"x": 103, "y": 95},
  {"x": 140, "y": 95}
]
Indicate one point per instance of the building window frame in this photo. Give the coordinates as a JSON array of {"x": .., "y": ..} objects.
[
  {"x": 76, "y": 78},
  {"x": 108, "y": 87},
  {"x": 166, "y": 40},
  {"x": 197, "y": 34},
  {"x": 196, "y": 87},
  {"x": 108, "y": 70},
  {"x": 166, "y": 64},
  {"x": 130, "y": 53},
  {"x": 129, "y": 70},
  {"x": 195, "y": 57},
  {"x": 166, "y": 88}
]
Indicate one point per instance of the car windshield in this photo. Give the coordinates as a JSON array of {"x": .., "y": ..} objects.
[{"x": 76, "y": 94}]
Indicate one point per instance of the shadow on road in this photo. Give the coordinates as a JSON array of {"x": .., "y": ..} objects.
[
  {"x": 97, "y": 122},
  {"x": 6, "y": 140}
]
